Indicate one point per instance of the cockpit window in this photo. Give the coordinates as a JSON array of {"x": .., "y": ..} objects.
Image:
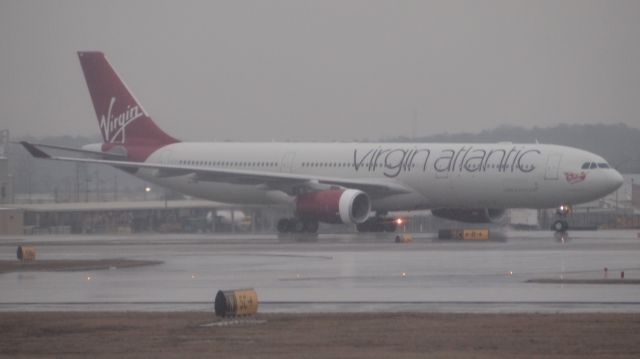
[{"x": 593, "y": 165}]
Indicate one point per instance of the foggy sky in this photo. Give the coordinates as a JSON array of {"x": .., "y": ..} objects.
[{"x": 324, "y": 70}]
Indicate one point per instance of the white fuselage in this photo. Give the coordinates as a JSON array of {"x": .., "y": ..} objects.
[{"x": 502, "y": 175}]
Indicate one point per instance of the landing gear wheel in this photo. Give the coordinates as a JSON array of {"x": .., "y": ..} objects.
[
  {"x": 560, "y": 226},
  {"x": 310, "y": 226},
  {"x": 284, "y": 226},
  {"x": 295, "y": 225}
]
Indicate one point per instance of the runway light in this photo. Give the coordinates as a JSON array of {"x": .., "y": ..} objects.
[
  {"x": 509, "y": 273},
  {"x": 399, "y": 221},
  {"x": 147, "y": 189},
  {"x": 88, "y": 278},
  {"x": 193, "y": 276},
  {"x": 404, "y": 274}
]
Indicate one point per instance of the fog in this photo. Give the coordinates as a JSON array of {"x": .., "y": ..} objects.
[{"x": 324, "y": 70}]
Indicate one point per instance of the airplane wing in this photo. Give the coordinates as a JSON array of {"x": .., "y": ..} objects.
[{"x": 287, "y": 182}]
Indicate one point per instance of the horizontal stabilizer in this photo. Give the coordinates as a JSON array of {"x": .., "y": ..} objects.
[
  {"x": 34, "y": 151},
  {"x": 100, "y": 154}
]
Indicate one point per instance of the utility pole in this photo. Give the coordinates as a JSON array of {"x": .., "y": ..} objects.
[
  {"x": 13, "y": 188},
  {"x": 77, "y": 182},
  {"x": 29, "y": 185},
  {"x": 115, "y": 187},
  {"x": 97, "y": 173},
  {"x": 87, "y": 179}
]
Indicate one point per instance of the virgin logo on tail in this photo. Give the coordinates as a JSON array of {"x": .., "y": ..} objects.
[{"x": 113, "y": 126}]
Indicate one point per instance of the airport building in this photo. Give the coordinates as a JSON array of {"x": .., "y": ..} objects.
[
  {"x": 621, "y": 210},
  {"x": 199, "y": 216},
  {"x": 181, "y": 216}
]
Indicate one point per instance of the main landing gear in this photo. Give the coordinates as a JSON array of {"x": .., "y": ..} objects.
[
  {"x": 378, "y": 224},
  {"x": 561, "y": 225},
  {"x": 297, "y": 225}
]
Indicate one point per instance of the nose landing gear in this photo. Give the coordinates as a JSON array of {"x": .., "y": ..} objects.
[{"x": 561, "y": 225}]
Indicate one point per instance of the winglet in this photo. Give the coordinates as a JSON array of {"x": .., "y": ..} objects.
[{"x": 34, "y": 151}]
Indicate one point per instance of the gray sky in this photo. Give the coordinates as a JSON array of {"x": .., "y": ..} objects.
[{"x": 324, "y": 70}]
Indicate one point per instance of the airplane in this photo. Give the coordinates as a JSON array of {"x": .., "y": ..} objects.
[{"x": 350, "y": 183}]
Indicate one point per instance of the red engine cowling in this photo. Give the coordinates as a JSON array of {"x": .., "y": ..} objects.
[
  {"x": 334, "y": 206},
  {"x": 480, "y": 215}
]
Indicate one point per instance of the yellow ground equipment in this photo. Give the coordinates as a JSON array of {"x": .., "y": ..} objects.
[
  {"x": 26, "y": 253},
  {"x": 404, "y": 238},
  {"x": 479, "y": 234},
  {"x": 236, "y": 302}
]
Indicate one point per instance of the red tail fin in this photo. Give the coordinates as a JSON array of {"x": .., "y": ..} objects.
[{"x": 121, "y": 118}]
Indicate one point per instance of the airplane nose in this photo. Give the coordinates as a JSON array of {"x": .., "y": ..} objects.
[{"x": 615, "y": 180}]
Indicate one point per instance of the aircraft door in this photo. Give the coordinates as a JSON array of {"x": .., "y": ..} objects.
[
  {"x": 553, "y": 166},
  {"x": 286, "y": 165}
]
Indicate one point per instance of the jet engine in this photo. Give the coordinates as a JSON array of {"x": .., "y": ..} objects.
[
  {"x": 334, "y": 206},
  {"x": 477, "y": 215}
]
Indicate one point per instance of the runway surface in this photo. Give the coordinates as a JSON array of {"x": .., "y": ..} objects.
[{"x": 337, "y": 273}]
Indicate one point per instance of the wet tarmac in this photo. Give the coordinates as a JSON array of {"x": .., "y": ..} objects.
[{"x": 336, "y": 273}]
